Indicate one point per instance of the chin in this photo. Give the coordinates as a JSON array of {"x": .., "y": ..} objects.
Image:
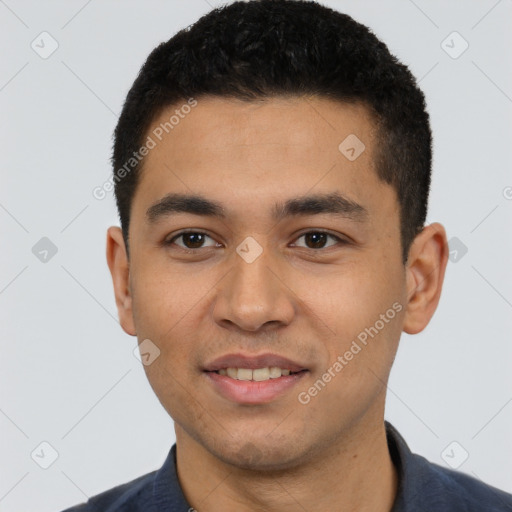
[{"x": 260, "y": 454}]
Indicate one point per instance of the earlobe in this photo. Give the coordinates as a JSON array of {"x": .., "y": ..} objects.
[
  {"x": 119, "y": 266},
  {"x": 425, "y": 271}
]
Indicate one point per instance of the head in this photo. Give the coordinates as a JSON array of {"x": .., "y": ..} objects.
[
  {"x": 334, "y": 58},
  {"x": 295, "y": 150}
]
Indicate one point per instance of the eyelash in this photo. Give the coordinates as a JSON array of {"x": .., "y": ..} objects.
[
  {"x": 172, "y": 240},
  {"x": 186, "y": 249}
]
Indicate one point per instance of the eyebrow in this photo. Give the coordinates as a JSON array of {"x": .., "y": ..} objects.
[
  {"x": 182, "y": 203},
  {"x": 333, "y": 203}
]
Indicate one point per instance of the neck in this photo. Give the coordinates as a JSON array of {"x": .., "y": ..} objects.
[{"x": 355, "y": 474}]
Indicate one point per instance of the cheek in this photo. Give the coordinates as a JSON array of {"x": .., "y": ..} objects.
[
  {"x": 173, "y": 309},
  {"x": 360, "y": 310},
  {"x": 166, "y": 309},
  {"x": 164, "y": 297},
  {"x": 350, "y": 298},
  {"x": 175, "y": 391}
]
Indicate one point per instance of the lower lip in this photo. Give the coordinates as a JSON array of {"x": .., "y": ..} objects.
[{"x": 253, "y": 392}]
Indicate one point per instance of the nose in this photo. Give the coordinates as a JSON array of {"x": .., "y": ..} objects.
[{"x": 254, "y": 296}]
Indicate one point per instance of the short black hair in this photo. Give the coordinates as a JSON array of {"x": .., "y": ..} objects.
[{"x": 285, "y": 48}]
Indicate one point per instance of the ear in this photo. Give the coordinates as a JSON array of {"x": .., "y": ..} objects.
[
  {"x": 428, "y": 257},
  {"x": 119, "y": 266}
]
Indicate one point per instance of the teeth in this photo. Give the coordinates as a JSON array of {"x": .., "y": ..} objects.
[
  {"x": 275, "y": 372},
  {"x": 232, "y": 372},
  {"x": 258, "y": 375},
  {"x": 244, "y": 374}
]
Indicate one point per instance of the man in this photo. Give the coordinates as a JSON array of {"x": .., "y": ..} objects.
[{"x": 272, "y": 170}]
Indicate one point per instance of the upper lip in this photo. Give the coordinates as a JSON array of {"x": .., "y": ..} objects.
[{"x": 253, "y": 362}]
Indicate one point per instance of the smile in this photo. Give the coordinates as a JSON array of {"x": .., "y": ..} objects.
[
  {"x": 257, "y": 374},
  {"x": 253, "y": 386}
]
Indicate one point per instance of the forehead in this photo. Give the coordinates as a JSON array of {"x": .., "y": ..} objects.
[
  {"x": 304, "y": 124},
  {"x": 230, "y": 149}
]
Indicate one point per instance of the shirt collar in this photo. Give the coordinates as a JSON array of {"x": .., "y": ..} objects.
[
  {"x": 414, "y": 475},
  {"x": 167, "y": 493}
]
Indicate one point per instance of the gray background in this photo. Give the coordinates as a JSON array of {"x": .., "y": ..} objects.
[{"x": 68, "y": 374}]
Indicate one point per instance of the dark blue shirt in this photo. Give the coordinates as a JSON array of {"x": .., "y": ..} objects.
[{"x": 423, "y": 486}]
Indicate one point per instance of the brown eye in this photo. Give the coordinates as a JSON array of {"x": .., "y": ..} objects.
[
  {"x": 317, "y": 240},
  {"x": 192, "y": 240}
]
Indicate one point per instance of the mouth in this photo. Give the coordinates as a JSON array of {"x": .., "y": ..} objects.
[
  {"x": 256, "y": 374},
  {"x": 253, "y": 380}
]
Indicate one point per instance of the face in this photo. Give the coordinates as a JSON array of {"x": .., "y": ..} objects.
[{"x": 255, "y": 243}]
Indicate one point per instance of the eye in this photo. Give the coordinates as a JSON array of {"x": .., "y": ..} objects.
[
  {"x": 317, "y": 240},
  {"x": 192, "y": 240}
]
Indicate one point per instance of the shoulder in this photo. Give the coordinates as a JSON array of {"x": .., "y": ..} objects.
[
  {"x": 152, "y": 492},
  {"x": 424, "y": 485},
  {"x": 126, "y": 497},
  {"x": 460, "y": 491}
]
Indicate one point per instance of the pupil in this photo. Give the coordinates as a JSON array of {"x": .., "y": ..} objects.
[
  {"x": 316, "y": 240},
  {"x": 193, "y": 240}
]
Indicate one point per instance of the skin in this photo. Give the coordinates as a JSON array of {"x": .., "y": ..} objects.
[{"x": 307, "y": 304}]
